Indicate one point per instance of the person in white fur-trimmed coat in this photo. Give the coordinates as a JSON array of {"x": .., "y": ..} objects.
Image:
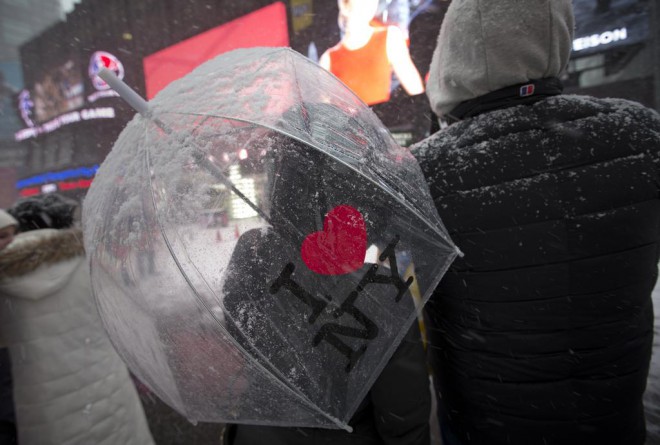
[{"x": 70, "y": 386}]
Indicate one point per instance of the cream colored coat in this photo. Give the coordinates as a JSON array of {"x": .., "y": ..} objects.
[{"x": 70, "y": 386}]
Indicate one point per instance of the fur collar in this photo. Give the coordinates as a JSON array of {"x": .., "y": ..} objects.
[{"x": 31, "y": 250}]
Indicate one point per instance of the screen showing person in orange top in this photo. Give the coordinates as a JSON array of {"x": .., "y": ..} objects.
[{"x": 368, "y": 54}]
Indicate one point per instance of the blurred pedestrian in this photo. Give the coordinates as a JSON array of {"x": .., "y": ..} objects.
[
  {"x": 8, "y": 227},
  {"x": 70, "y": 386},
  {"x": 542, "y": 333}
]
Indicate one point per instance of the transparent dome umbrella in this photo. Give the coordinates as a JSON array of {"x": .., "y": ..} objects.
[{"x": 259, "y": 244}]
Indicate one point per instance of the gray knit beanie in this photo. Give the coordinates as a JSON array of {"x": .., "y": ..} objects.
[{"x": 486, "y": 45}]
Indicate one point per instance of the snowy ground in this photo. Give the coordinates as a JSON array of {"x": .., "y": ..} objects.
[{"x": 209, "y": 249}]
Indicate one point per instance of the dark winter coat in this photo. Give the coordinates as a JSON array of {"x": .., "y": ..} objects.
[
  {"x": 395, "y": 411},
  {"x": 544, "y": 329},
  {"x": 279, "y": 329}
]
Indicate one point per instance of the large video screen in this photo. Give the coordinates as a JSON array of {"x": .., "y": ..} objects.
[
  {"x": 58, "y": 91},
  {"x": 264, "y": 27},
  {"x": 370, "y": 51},
  {"x": 382, "y": 50},
  {"x": 378, "y": 48}
]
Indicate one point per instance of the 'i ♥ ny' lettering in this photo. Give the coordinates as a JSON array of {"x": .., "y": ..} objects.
[{"x": 332, "y": 332}]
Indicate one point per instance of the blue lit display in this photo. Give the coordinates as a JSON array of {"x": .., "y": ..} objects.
[{"x": 44, "y": 178}]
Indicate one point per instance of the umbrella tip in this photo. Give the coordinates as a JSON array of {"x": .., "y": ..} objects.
[{"x": 125, "y": 92}]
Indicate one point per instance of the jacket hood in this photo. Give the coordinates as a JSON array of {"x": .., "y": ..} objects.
[
  {"x": 486, "y": 45},
  {"x": 21, "y": 263}
]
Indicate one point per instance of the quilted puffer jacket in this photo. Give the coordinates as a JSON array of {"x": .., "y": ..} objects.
[
  {"x": 542, "y": 332},
  {"x": 70, "y": 386}
]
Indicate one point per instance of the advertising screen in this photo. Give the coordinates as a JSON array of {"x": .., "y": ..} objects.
[
  {"x": 58, "y": 91},
  {"x": 56, "y": 99},
  {"x": 264, "y": 27},
  {"x": 372, "y": 55},
  {"x": 381, "y": 49}
]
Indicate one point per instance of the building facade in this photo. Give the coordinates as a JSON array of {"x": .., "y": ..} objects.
[{"x": 70, "y": 119}]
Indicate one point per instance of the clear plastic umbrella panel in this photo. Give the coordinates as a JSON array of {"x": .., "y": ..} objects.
[{"x": 259, "y": 244}]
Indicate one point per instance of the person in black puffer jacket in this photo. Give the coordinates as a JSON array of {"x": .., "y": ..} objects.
[{"x": 542, "y": 332}]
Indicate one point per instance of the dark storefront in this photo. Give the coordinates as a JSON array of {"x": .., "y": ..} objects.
[{"x": 613, "y": 50}]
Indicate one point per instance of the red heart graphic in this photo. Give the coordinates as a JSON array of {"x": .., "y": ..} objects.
[{"x": 340, "y": 247}]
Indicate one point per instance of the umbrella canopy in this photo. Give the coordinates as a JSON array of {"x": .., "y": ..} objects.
[{"x": 259, "y": 244}]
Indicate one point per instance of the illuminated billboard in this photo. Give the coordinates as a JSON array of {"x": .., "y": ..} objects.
[
  {"x": 58, "y": 91},
  {"x": 58, "y": 97},
  {"x": 264, "y": 27},
  {"x": 64, "y": 180},
  {"x": 384, "y": 72},
  {"x": 371, "y": 55},
  {"x": 606, "y": 24},
  {"x": 378, "y": 48}
]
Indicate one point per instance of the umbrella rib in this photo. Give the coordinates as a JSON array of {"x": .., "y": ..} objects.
[{"x": 202, "y": 160}]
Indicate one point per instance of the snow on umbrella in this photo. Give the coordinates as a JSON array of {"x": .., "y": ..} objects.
[{"x": 257, "y": 242}]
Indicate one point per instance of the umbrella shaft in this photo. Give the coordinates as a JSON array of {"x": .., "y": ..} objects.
[{"x": 202, "y": 160}]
